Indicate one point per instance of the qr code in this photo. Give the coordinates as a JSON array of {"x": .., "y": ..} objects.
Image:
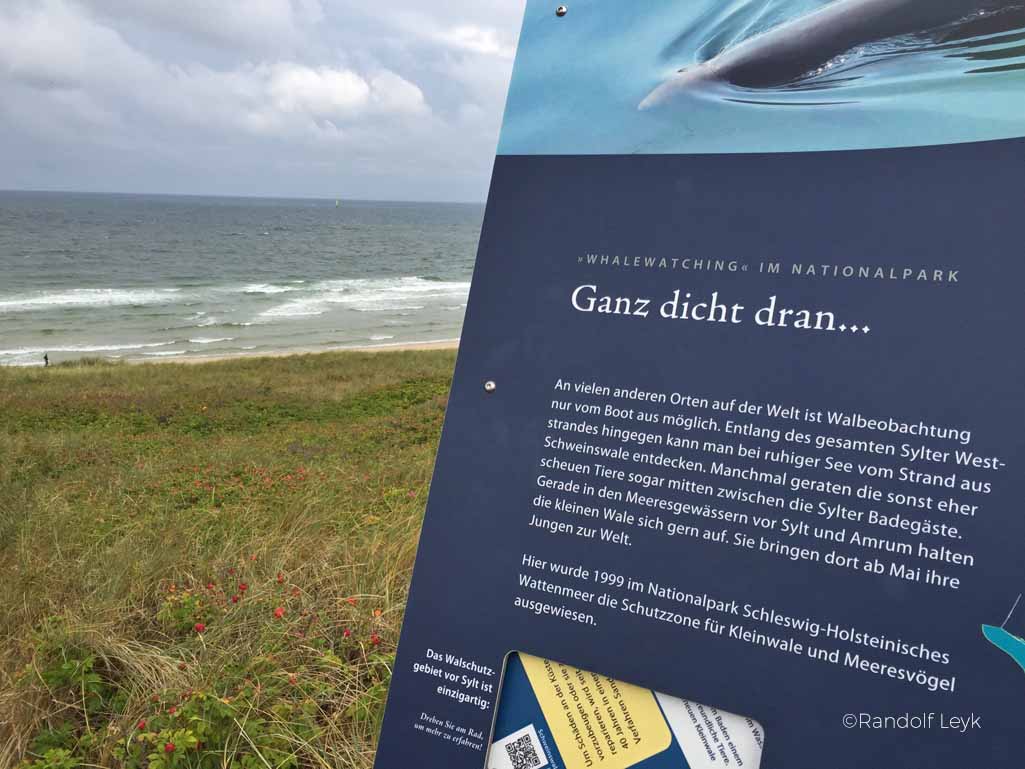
[{"x": 522, "y": 753}]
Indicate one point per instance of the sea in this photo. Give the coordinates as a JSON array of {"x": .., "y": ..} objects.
[{"x": 151, "y": 277}]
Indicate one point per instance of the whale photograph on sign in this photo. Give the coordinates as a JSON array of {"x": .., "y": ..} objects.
[{"x": 755, "y": 76}]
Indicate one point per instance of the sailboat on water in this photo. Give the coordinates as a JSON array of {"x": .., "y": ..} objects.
[{"x": 1010, "y": 644}]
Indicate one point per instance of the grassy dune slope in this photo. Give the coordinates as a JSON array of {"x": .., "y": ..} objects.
[{"x": 206, "y": 566}]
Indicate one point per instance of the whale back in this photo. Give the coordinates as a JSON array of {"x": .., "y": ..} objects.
[{"x": 794, "y": 48}]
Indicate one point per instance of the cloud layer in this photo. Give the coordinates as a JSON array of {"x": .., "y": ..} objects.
[{"x": 262, "y": 97}]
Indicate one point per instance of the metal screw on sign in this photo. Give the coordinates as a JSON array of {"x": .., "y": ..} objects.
[
  {"x": 561, "y": 11},
  {"x": 490, "y": 387}
]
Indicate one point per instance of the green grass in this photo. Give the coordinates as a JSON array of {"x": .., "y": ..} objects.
[{"x": 206, "y": 565}]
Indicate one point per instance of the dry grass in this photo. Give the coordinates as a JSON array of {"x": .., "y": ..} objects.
[{"x": 213, "y": 557}]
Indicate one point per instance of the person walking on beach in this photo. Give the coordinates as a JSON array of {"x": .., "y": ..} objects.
[{"x": 46, "y": 359}]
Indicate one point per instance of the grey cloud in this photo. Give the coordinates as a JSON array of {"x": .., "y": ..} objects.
[
  {"x": 248, "y": 25},
  {"x": 268, "y": 97}
]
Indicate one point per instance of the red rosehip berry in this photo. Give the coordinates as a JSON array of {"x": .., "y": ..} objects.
[
  {"x": 199, "y": 627},
  {"x": 243, "y": 587},
  {"x": 281, "y": 577},
  {"x": 169, "y": 747},
  {"x": 346, "y": 633},
  {"x": 375, "y": 639},
  {"x": 234, "y": 598},
  {"x": 279, "y": 612},
  {"x": 141, "y": 725}
]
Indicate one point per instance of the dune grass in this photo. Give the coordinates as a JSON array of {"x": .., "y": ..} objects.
[{"x": 206, "y": 565}]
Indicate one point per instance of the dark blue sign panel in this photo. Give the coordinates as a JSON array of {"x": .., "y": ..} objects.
[{"x": 752, "y": 433}]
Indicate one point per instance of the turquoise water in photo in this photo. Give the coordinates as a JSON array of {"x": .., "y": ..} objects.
[
  {"x": 164, "y": 277},
  {"x": 578, "y": 81}
]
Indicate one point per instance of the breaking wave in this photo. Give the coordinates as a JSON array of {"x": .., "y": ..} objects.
[
  {"x": 82, "y": 348},
  {"x": 91, "y": 297},
  {"x": 370, "y": 295}
]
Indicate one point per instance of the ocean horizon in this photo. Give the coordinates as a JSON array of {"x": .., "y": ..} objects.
[{"x": 124, "y": 276}]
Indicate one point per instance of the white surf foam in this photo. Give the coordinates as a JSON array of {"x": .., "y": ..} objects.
[
  {"x": 300, "y": 308},
  {"x": 211, "y": 340},
  {"x": 90, "y": 297},
  {"x": 20, "y": 351},
  {"x": 371, "y": 295},
  {"x": 267, "y": 288}
]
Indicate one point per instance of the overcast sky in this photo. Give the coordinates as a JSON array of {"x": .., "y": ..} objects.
[{"x": 336, "y": 98}]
